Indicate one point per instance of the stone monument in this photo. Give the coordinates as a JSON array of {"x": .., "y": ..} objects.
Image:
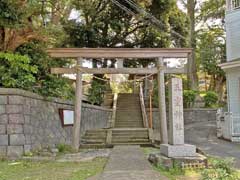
[{"x": 176, "y": 146}]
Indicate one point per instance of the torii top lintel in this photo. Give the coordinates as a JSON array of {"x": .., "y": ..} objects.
[{"x": 146, "y": 53}]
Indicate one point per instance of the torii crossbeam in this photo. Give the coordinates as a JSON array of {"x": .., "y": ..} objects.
[{"x": 143, "y": 53}]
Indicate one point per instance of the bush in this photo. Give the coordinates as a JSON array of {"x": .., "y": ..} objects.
[
  {"x": 46, "y": 84},
  {"x": 53, "y": 86},
  {"x": 221, "y": 169},
  {"x": 210, "y": 99},
  {"x": 96, "y": 92},
  {"x": 189, "y": 97},
  {"x": 16, "y": 71},
  {"x": 63, "y": 148}
]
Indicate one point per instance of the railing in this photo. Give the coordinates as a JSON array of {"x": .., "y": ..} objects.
[
  {"x": 150, "y": 120},
  {"x": 143, "y": 109},
  {"x": 113, "y": 118},
  {"x": 233, "y": 4}
]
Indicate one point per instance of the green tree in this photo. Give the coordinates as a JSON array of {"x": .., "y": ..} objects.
[
  {"x": 46, "y": 84},
  {"x": 16, "y": 71},
  {"x": 212, "y": 52},
  {"x": 103, "y": 24},
  {"x": 212, "y": 44}
]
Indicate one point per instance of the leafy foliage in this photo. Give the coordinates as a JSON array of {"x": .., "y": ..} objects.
[
  {"x": 210, "y": 99},
  {"x": 9, "y": 13},
  {"x": 53, "y": 86},
  {"x": 189, "y": 97},
  {"x": 122, "y": 87},
  {"x": 96, "y": 93},
  {"x": 212, "y": 49},
  {"x": 221, "y": 170},
  {"x": 64, "y": 148},
  {"x": 16, "y": 71},
  {"x": 46, "y": 84},
  {"x": 211, "y": 44}
]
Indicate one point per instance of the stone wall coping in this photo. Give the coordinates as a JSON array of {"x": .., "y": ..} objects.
[
  {"x": 191, "y": 109},
  {"x": 24, "y": 93},
  {"x": 96, "y": 107}
]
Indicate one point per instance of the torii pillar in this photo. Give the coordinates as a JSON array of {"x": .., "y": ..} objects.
[
  {"x": 162, "y": 101},
  {"x": 77, "y": 108}
]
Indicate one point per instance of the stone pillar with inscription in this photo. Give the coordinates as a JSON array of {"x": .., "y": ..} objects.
[{"x": 176, "y": 146}]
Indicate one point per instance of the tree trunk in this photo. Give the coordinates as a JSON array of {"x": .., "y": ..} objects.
[
  {"x": 219, "y": 87},
  {"x": 192, "y": 66}
]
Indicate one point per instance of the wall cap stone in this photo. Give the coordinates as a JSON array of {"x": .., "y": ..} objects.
[
  {"x": 24, "y": 93},
  {"x": 191, "y": 109}
]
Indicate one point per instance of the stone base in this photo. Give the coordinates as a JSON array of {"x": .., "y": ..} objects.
[
  {"x": 198, "y": 161},
  {"x": 173, "y": 151}
]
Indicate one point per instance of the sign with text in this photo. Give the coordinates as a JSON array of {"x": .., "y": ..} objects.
[
  {"x": 176, "y": 120},
  {"x": 67, "y": 117}
]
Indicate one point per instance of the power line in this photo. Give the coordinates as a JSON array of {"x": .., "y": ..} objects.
[{"x": 146, "y": 16}]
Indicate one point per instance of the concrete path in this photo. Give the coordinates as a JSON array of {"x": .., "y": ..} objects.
[
  {"x": 204, "y": 136},
  {"x": 129, "y": 163}
]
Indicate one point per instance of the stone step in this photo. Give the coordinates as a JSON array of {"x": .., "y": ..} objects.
[
  {"x": 126, "y": 138},
  {"x": 94, "y": 131},
  {"x": 121, "y": 115},
  {"x": 130, "y": 111},
  {"x": 130, "y": 130},
  {"x": 128, "y": 126},
  {"x": 97, "y": 130},
  {"x": 129, "y": 100},
  {"x": 128, "y": 123},
  {"x": 118, "y": 139},
  {"x": 130, "y": 114},
  {"x": 133, "y": 143},
  {"x": 108, "y": 96},
  {"x": 126, "y": 107},
  {"x": 128, "y": 120},
  {"x": 93, "y": 141},
  {"x": 130, "y": 133},
  {"x": 95, "y": 136},
  {"x": 95, "y": 146},
  {"x": 128, "y": 94}
]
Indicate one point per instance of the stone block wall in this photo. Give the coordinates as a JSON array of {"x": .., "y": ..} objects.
[
  {"x": 29, "y": 121},
  {"x": 190, "y": 116}
]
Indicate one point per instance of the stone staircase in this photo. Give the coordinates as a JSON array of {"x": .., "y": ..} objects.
[
  {"x": 128, "y": 128},
  {"x": 122, "y": 136},
  {"x": 128, "y": 113},
  {"x": 130, "y": 136}
]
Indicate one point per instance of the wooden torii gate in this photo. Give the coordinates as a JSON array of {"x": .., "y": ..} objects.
[{"x": 144, "y": 53}]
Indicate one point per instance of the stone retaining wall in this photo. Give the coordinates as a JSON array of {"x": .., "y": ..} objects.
[
  {"x": 190, "y": 116},
  {"x": 29, "y": 121}
]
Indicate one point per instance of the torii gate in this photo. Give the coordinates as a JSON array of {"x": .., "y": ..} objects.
[{"x": 144, "y": 53}]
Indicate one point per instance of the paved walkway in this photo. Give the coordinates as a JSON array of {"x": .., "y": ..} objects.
[
  {"x": 129, "y": 163},
  {"x": 203, "y": 135}
]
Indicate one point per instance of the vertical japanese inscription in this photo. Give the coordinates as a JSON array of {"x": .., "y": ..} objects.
[{"x": 176, "y": 121}]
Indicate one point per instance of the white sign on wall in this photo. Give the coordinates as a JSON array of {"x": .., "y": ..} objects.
[{"x": 67, "y": 117}]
